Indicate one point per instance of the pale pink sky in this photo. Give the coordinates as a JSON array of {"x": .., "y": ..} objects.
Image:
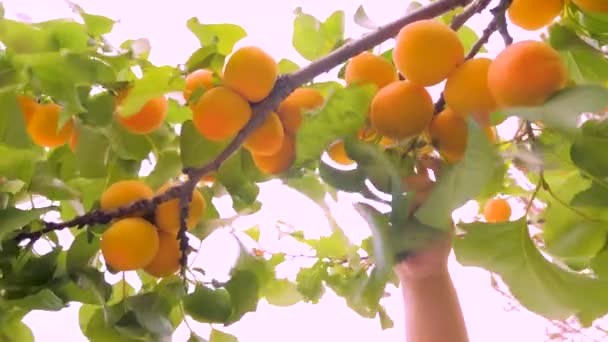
[{"x": 269, "y": 25}]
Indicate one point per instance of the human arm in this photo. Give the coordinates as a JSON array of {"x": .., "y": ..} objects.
[{"x": 432, "y": 308}]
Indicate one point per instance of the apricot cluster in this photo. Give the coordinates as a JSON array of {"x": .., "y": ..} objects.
[
  {"x": 147, "y": 242},
  {"x": 224, "y": 107}
]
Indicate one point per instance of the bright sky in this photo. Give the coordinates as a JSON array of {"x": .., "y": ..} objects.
[{"x": 269, "y": 25}]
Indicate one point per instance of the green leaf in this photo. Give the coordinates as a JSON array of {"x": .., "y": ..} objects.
[
  {"x": 67, "y": 34},
  {"x": 287, "y": 66},
  {"x": 314, "y": 39},
  {"x": 206, "y": 57},
  {"x": 385, "y": 321},
  {"x": 45, "y": 300},
  {"x": 469, "y": 37},
  {"x": 100, "y": 109},
  {"x": 363, "y": 20},
  {"x": 220, "y": 336},
  {"x": 92, "y": 152},
  {"x": 208, "y": 305},
  {"x": 281, "y": 292},
  {"x": 152, "y": 312},
  {"x": 310, "y": 185},
  {"x": 335, "y": 246},
  {"x": 18, "y": 163},
  {"x": 342, "y": 115},
  {"x": 156, "y": 81},
  {"x": 563, "y": 109},
  {"x": 97, "y": 25},
  {"x": 309, "y": 282},
  {"x": 177, "y": 114},
  {"x": 12, "y": 219},
  {"x": 345, "y": 180},
  {"x": 195, "y": 338},
  {"x": 196, "y": 150},
  {"x": 461, "y": 182},
  {"x": 587, "y": 152},
  {"x": 12, "y": 123},
  {"x": 22, "y": 38},
  {"x": 232, "y": 176},
  {"x": 16, "y": 331},
  {"x": 596, "y": 196},
  {"x": 599, "y": 265},
  {"x": 82, "y": 252},
  {"x": 540, "y": 286},
  {"x": 225, "y": 36},
  {"x": 127, "y": 145},
  {"x": 244, "y": 292},
  {"x": 168, "y": 165}
]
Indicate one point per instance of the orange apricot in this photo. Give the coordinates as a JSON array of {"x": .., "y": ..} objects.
[
  {"x": 42, "y": 126},
  {"x": 147, "y": 119},
  {"x": 401, "y": 110},
  {"x": 166, "y": 261},
  {"x": 337, "y": 153},
  {"x": 497, "y": 210},
  {"x": 526, "y": 73},
  {"x": 290, "y": 110},
  {"x": 251, "y": 72},
  {"x": 367, "y": 68},
  {"x": 449, "y": 134},
  {"x": 200, "y": 78},
  {"x": 28, "y": 106},
  {"x": 280, "y": 161},
  {"x": 220, "y": 113},
  {"x": 466, "y": 89},
  {"x": 427, "y": 51},
  {"x": 267, "y": 139},
  {"x": 532, "y": 15}
]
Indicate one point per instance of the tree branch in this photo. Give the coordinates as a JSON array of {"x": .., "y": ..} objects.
[{"x": 284, "y": 86}]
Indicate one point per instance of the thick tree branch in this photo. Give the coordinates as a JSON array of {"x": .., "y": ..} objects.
[{"x": 284, "y": 86}]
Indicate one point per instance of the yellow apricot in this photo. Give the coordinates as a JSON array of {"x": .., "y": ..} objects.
[
  {"x": 251, "y": 72},
  {"x": 449, "y": 133},
  {"x": 149, "y": 118},
  {"x": 337, "y": 153},
  {"x": 290, "y": 110},
  {"x": 200, "y": 78},
  {"x": 167, "y": 258},
  {"x": 532, "y": 15},
  {"x": 42, "y": 126},
  {"x": 266, "y": 139},
  {"x": 497, "y": 210},
  {"x": 220, "y": 113},
  {"x": 367, "y": 68},
  {"x": 129, "y": 244},
  {"x": 526, "y": 73},
  {"x": 427, "y": 51},
  {"x": 401, "y": 110},
  {"x": 28, "y": 107},
  {"x": 123, "y": 193},
  {"x": 167, "y": 214},
  {"x": 599, "y": 6},
  {"x": 466, "y": 89},
  {"x": 280, "y": 161}
]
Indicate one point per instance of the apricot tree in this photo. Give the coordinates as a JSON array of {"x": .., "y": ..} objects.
[{"x": 81, "y": 117}]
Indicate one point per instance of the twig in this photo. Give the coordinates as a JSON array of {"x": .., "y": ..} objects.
[
  {"x": 499, "y": 13},
  {"x": 475, "y": 7},
  {"x": 284, "y": 86}
]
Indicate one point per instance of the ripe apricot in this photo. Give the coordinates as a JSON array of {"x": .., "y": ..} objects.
[
  {"x": 497, "y": 210},
  {"x": 124, "y": 192},
  {"x": 427, "y": 51},
  {"x": 526, "y": 74},
  {"x": 266, "y": 139},
  {"x": 28, "y": 106},
  {"x": 208, "y": 178},
  {"x": 280, "y": 161},
  {"x": 42, "y": 126},
  {"x": 401, "y": 110},
  {"x": 337, "y": 153},
  {"x": 201, "y": 78},
  {"x": 129, "y": 244},
  {"x": 449, "y": 134},
  {"x": 290, "y": 110},
  {"x": 466, "y": 89},
  {"x": 167, "y": 213},
  {"x": 147, "y": 119},
  {"x": 251, "y": 72},
  {"x": 599, "y": 6},
  {"x": 532, "y": 15},
  {"x": 220, "y": 113},
  {"x": 367, "y": 68},
  {"x": 166, "y": 260}
]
